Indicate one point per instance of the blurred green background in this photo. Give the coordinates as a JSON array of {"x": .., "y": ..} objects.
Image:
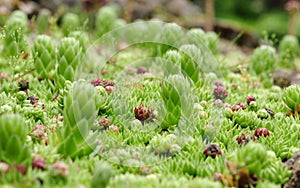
[{"x": 255, "y": 15}]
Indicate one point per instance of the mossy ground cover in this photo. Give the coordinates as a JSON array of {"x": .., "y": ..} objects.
[{"x": 143, "y": 104}]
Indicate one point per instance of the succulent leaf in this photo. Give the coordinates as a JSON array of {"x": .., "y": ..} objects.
[
  {"x": 80, "y": 113},
  {"x": 13, "y": 132},
  {"x": 176, "y": 93},
  {"x": 291, "y": 98},
  {"x": 44, "y": 56},
  {"x": 69, "y": 57}
]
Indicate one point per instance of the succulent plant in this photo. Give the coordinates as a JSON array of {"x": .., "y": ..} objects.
[
  {"x": 59, "y": 171},
  {"x": 238, "y": 106},
  {"x": 242, "y": 139},
  {"x": 253, "y": 157},
  {"x": 175, "y": 93},
  {"x": 263, "y": 114},
  {"x": 220, "y": 93},
  {"x": 199, "y": 38},
  {"x": 21, "y": 168},
  {"x": 68, "y": 57},
  {"x": 38, "y": 134},
  {"x": 104, "y": 122},
  {"x": 212, "y": 150},
  {"x": 245, "y": 119},
  {"x": 39, "y": 163},
  {"x": 165, "y": 145},
  {"x": 171, "y": 36},
  {"x": 191, "y": 62},
  {"x": 100, "y": 82},
  {"x": 44, "y": 54},
  {"x": 42, "y": 20},
  {"x": 15, "y": 42},
  {"x": 106, "y": 20},
  {"x": 291, "y": 98},
  {"x": 196, "y": 36},
  {"x": 113, "y": 128},
  {"x": 288, "y": 50},
  {"x": 21, "y": 96},
  {"x": 261, "y": 132},
  {"x": 82, "y": 37},
  {"x": 250, "y": 99},
  {"x": 270, "y": 112},
  {"x": 213, "y": 42},
  {"x": 13, "y": 133},
  {"x": 172, "y": 62},
  {"x": 75, "y": 139},
  {"x": 70, "y": 22},
  {"x": 276, "y": 173},
  {"x": 102, "y": 175},
  {"x": 264, "y": 59},
  {"x": 143, "y": 113}
]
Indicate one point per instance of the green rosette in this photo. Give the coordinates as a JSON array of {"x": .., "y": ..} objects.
[
  {"x": 70, "y": 22},
  {"x": 189, "y": 63},
  {"x": 175, "y": 93},
  {"x": 253, "y": 157},
  {"x": 245, "y": 119},
  {"x": 82, "y": 37},
  {"x": 170, "y": 37},
  {"x": 264, "y": 59},
  {"x": 13, "y": 133},
  {"x": 44, "y": 56},
  {"x": 42, "y": 20},
  {"x": 68, "y": 57},
  {"x": 172, "y": 60},
  {"x": 75, "y": 137},
  {"x": 291, "y": 98},
  {"x": 105, "y": 18}
]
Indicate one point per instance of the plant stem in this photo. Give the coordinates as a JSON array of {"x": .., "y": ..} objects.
[{"x": 24, "y": 74}]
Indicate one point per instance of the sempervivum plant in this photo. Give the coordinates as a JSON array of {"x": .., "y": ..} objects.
[
  {"x": 176, "y": 96},
  {"x": 101, "y": 175},
  {"x": 288, "y": 50},
  {"x": 250, "y": 99},
  {"x": 75, "y": 139},
  {"x": 242, "y": 139},
  {"x": 165, "y": 145},
  {"x": 190, "y": 62},
  {"x": 107, "y": 20},
  {"x": 291, "y": 98},
  {"x": 212, "y": 150},
  {"x": 13, "y": 133},
  {"x": 245, "y": 119},
  {"x": 253, "y": 157},
  {"x": 264, "y": 59},
  {"x": 82, "y": 37},
  {"x": 220, "y": 92},
  {"x": 42, "y": 21},
  {"x": 15, "y": 41},
  {"x": 170, "y": 36},
  {"x": 69, "y": 56},
  {"x": 70, "y": 22},
  {"x": 172, "y": 62},
  {"x": 44, "y": 56},
  {"x": 199, "y": 38},
  {"x": 143, "y": 113},
  {"x": 261, "y": 132}
]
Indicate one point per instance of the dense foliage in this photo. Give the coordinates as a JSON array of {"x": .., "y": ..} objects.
[{"x": 143, "y": 104}]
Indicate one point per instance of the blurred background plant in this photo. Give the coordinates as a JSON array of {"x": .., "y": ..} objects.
[{"x": 276, "y": 16}]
